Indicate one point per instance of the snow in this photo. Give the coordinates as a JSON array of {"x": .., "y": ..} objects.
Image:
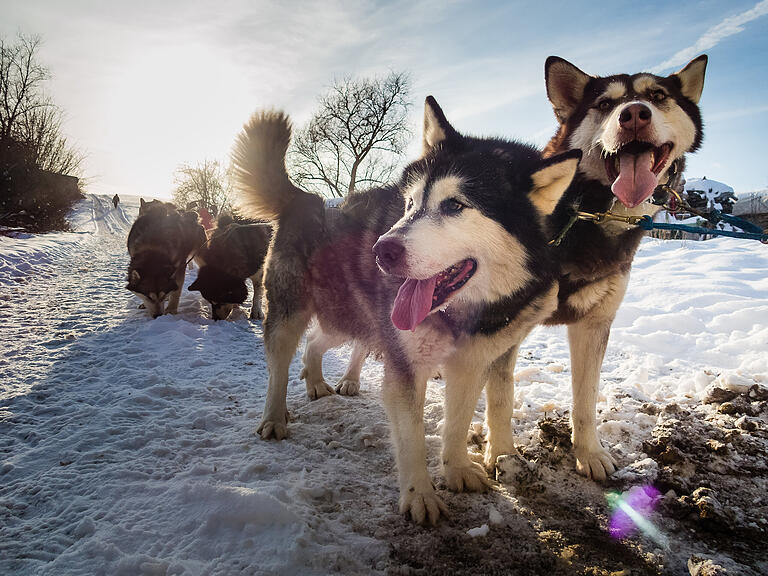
[{"x": 127, "y": 444}]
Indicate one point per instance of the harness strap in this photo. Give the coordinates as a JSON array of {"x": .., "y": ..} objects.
[{"x": 749, "y": 231}]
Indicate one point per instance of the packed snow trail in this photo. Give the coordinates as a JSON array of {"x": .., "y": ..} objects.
[{"x": 127, "y": 444}]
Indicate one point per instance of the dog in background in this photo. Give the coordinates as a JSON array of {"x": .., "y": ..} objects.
[
  {"x": 235, "y": 252},
  {"x": 159, "y": 244},
  {"x": 451, "y": 267}
]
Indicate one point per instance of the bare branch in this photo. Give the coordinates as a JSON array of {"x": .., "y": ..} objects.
[{"x": 356, "y": 136}]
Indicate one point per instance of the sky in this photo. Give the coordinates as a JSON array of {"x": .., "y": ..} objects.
[{"x": 147, "y": 86}]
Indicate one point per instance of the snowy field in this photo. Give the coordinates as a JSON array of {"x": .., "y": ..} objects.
[{"x": 128, "y": 446}]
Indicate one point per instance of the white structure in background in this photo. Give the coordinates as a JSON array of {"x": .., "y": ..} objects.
[{"x": 716, "y": 193}]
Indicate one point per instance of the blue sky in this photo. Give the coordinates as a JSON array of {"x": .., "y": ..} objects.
[{"x": 150, "y": 85}]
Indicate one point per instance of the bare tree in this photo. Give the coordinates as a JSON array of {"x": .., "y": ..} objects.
[
  {"x": 28, "y": 116},
  {"x": 208, "y": 184},
  {"x": 356, "y": 136}
]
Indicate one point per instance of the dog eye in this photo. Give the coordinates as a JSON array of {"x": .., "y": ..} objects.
[
  {"x": 452, "y": 206},
  {"x": 409, "y": 204},
  {"x": 605, "y": 105},
  {"x": 658, "y": 95}
]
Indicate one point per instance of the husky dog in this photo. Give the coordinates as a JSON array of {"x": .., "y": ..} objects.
[
  {"x": 449, "y": 267},
  {"x": 159, "y": 243},
  {"x": 235, "y": 252},
  {"x": 633, "y": 132},
  {"x": 155, "y": 205}
]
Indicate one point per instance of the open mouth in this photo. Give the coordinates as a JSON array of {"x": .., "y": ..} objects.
[
  {"x": 417, "y": 298},
  {"x": 634, "y": 169}
]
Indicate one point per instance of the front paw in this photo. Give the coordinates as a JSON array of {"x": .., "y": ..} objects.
[
  {"x": 256, "y": 314},
  {"x": 272, "y": 429},
  {"x": 470, "y": 477},
  {"x": 596, "y": 464},
  {"x": 492, "y": 454},
  {"x": 422, "y": 505},
  {"x": 348, "y": 387}
]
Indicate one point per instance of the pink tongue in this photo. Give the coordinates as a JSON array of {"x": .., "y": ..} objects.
[
  {"x": 412, "y": 303},
  {"x": 636, "y": 181}
]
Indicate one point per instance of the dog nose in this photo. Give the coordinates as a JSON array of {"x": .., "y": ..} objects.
[
  {"x": 635, "y": 117},
  {"x": 389, "y": 252}
]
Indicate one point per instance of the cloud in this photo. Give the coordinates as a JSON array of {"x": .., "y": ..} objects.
[{"x": 712, "y": 37}]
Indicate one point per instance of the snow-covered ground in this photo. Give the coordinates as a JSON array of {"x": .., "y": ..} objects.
[{"x": 127, "y": 444}]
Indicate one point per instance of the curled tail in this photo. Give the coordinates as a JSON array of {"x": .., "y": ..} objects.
[{"x": 258, "y": 159}]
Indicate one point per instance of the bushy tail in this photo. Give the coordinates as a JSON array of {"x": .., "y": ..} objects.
[{"x": 258, "y": 160}]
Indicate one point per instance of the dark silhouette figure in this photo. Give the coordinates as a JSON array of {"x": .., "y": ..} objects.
[{"x": 115, "y": 200}]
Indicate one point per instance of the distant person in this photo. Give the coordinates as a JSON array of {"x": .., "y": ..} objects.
[
  {"x": 115, "y": 200},
  {"x": 205, "y": 218}
]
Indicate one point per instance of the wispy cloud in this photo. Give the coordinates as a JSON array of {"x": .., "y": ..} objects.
[{"x": 712, "y": 37}]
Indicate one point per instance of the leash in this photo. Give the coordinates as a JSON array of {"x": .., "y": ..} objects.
[{"x": 749, "y": 231}]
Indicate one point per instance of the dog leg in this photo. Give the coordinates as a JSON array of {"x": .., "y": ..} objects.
[
  {"x": 588, "y": 339},
  {"x": 173, "y": 299},
  {"x": 404, "y": 401},
  {"x": 500, "y": 400},
  {"x": 349, "y": 385},
  {"x": 256, "y": 280},
  {"x": 463, "y": 384},
  {"x": 318, "y": 343},
  {"x": 281, "y": 337}
]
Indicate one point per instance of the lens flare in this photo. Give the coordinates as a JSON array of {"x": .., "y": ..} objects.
[{"x": 631, "y": 510}]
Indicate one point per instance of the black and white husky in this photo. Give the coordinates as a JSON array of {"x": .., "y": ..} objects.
[
  {"x": 633, "y": 131},
  {"x": 450, "y": 267}
]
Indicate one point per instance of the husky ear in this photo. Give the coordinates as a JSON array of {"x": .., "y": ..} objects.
[
  {"x": 565, "y": 86},
  {"x": 134, "y": 277},
  {"x": 692, "y": 78},
  {"x": 553, "y": 179},
  {"x": 142, "y": 202},
  {"x": 436, "y": 127}
]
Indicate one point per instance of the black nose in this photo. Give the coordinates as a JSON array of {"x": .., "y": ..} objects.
[
  {"x": 389, "y": 253},
  {"x": 635, "y": 116}
]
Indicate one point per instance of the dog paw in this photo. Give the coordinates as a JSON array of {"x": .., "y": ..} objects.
[
  {"x": 269, "y": 429},
  {"x": 348, "y": 387},
  {"x": 318, "y": 388},
  {"x": 596, "y": 464},
  {"x": 469, "y": 478},
  {"x": 256, "y": 314},
  {"x": 492, "y": 454},
  {"x": 422, "y": 506}
]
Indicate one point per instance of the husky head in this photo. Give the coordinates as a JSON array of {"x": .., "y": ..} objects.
[
  {"x": 630, "y": 129},
  {"x": 222, "y": 290},
  {"x": 155, "y": 207},
  {"x": 473, "y": 218},
  {"x": 151, "y": 276}
]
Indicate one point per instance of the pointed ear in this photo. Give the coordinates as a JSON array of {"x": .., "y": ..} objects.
[
  {"x": 134, "y": 277},
  {"x": 194, "y": 286},
  {"x": 565, "y": 86},
  {"x": 553, "y": 179},
  {"x": 142, "y": 201},
  {"x": 436, "y": 127},
  {"x": 692, "y": 78}
]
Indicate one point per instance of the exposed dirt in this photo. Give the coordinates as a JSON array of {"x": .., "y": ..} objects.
[{"x": 710, "y": 510}]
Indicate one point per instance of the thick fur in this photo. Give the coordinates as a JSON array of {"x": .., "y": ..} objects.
[
  {"x": 322, "y": 265},
  {"x": 234, "y": 253},
  {"x": 595, "y": 259},
  {"x": 159, "y": 243}
]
